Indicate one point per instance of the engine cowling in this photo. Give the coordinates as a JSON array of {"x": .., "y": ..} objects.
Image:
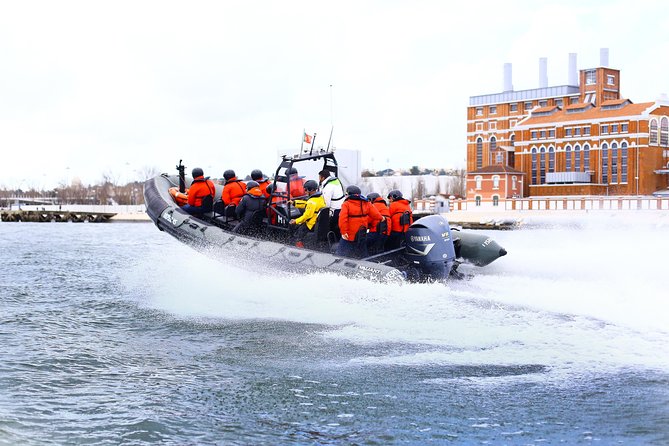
[{"x": 429, "y": 246}]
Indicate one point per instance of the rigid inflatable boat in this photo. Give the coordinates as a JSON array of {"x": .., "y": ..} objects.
[{"x": 432, "y": 250}]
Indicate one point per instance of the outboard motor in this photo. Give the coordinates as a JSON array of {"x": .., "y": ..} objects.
[{"x": 429, "y": 246}]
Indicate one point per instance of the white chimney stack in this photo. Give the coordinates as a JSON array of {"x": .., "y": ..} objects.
[
  {"x": 543, "y": 69},
  {"x": 508, "y": 85},
  {"x": 572, "y": 74},
  {"x": 603, "y": 57}
]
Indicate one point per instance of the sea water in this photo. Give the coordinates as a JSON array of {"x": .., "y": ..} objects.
[{"x": 118, "y": 334}]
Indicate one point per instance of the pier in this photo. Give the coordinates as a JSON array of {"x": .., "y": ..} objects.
[{"x": 55, "y": 216}]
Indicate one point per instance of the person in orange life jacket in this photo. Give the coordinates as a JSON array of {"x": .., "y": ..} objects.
[
  {"x": 258, "y": 177},
  {"x": 401, "y": 218},
  {"x": 278, "y": 198},
  {"x": 296, "y": 187},
  {"x": 200, "y": 194},
  {"x": 334, "y": 195},
  {"x": 234, "y": 189},
  {"x": 251, "y": 209},
  {"x": 356, "y": 216},
  {"x": 307, "y": 221},
  {"x": 377, "y": 236}
]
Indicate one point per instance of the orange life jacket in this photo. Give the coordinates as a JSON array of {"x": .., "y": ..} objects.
[
  {"x": 263, "y": 187},
  {"x": 397, "y": 210},
  {"x": 179, "y": 198},
  {"x": 382, "y": 207},
  {"x": 200, "y": 187},
  {"x": 296, "y": 187},
  {"x": 357, "y": 212},
  {"x": 233, "y": 191}
]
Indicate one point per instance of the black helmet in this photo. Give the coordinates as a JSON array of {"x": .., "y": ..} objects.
[
  {"x": 353, "y": 190},
  {"x": 373, "y": 196},
  {"x": 291, "y": 171},
  {"x": 310, "y": 185},
  {"x": 251, "y": 184},
  {"x": 228, "y": 174},
  {"x": 256, "y": 174},
  {"x": 395, "y": 194},
  {"x": 197, "y": 172}
]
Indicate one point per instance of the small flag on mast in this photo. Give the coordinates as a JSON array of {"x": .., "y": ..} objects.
[{"x": 308, "y": 138}]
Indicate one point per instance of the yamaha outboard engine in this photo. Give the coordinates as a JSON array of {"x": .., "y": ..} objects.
[{"x": 429, "y": 246}]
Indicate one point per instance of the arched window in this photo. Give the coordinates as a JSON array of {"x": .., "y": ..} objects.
[
  {"x": 479, "y": 153},
  {"x": 513, "y": 140},
  {"x": 664, "y": 131},
  {"x": 478, "y": 200},
  {"x": 495, "y": 200},
  {"x": 614, "y": 162},
  {"x": 623, "y": 162},
  {"x": 577, "y": 158},
  {"x": 495, "y": 181},
  {"x": 534, "y": 165},
  {"x": 542, "y": 165},
  {"x": 567, "y": 158},
  {"x": 493, "y": 147},
  {"x": 605, "y": 163},
  {"x": 652, "y": 137},
  {"x": 586, "y": 157},
  {"x": 513, "y": 182},
  {"x": 479, "y": 181},
  {"x": 551, "y": 159}
]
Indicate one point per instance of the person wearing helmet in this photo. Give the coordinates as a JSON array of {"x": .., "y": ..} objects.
[
  {"x": 333, "y": 193},
  {"x": 356, "y": 216},
  {"x": 296, "y": 184},
  {"x": 251, "y": 210},
  {"x": 200, "y": 194},
  {"x": 307, "y": 221},
  {"x": 401, "y": 218},
  {"x": 234, "y": 189},
  {"x": 377, "y": 236},
  {"x": 258, "y": 177}
]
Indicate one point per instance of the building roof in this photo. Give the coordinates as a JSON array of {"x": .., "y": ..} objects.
[
  {"x": 497, "y": 168},
  {"x": 524, "y": 95},
  {"x": 591, "y": 114},
  {"x": 615, "y": 102}
]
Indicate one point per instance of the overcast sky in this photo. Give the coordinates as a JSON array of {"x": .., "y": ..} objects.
[{"x": 115, "y": 88}]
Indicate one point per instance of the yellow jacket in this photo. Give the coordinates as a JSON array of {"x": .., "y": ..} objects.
[{"x": 311, "y": 207}]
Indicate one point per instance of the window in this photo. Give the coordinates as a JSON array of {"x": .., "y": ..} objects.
[
  {"x": 493, "y": 109},
  {"x": 479, "y": 153},
  {"x": 495, "y": 200},
  {"x": 495, "y": 181},
  {"x": 567, "y": 132},
  {"x": 543, "y": 103},
  {"x": 605, "y": 163},
  {"x": 551, "y": 159},
  {"x": 534, "y": 134},
  {"x": 513, "y": 140},
  {"x": 528, "y": 105},
  {"x": 493, "y": 147},
  {"x": 567, "y": 158},
  {"x": 478, "y": 200},
  {"x": 614, "y": 162},
  {"x": 534, "y": 165},
  {"x": 542, "y": 134},
  {"x": 610, "y": 79},
  {"x": 590, "y": 77},
  {"x": 664, "y": 131},
  {"x": 513, "y": 107},
  {"x": 479, "y": 181},
  {"x": 492, "y": 125},
  {"x": 499, "y": 157},
  {"x": 514, "y": 179},
  {"x": 577, "y": 131},
  {"x": 623, "y": 128},
  {"x": 479, "y": 126},
  {"x": 614, "y": 128},
  {"x": 605, "y": 129},
  {"x": 586, "y": 157},
  {"x": 653, "y": 132},
  {"x": 479, "y": 111},
  {"x": 542, "y": 165},
  {"x": 586, "y": 131},
  {"x": 623, "y": 162},
  {"x": 551, "y": 133},
  {"x": 559, "y": 102},
  {"x": 573, "y": 100},
  {"x": 577, "y": 158}
]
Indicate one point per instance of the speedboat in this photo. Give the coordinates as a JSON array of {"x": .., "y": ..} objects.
[{"x": 432, "y": 250}]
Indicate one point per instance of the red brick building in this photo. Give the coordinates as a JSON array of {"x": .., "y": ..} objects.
[{"x": 582, "y": 139}]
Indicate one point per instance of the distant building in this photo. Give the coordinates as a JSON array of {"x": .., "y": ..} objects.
[{"x": 576, "y": 139}]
